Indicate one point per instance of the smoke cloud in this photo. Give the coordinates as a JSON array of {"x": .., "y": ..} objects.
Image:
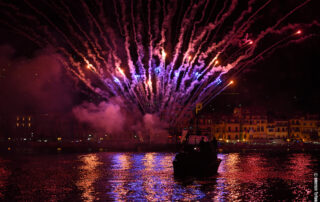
[
  {"x": 34, "y": 85},
  {"x": 114, "y": 118},
  {"x": 106, "y": 116}
]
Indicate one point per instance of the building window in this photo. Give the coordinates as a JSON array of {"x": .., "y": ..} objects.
[{"x": 262, "y": 128}]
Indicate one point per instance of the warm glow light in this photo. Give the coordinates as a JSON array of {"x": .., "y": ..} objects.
[
  {"x": 121, "y": 71},
  {"x": 216, "y": 62},
  {"x": 299, "y": 32},
  {"x": 59, "y": 138},
  {"x": 88, "y": 168},
  {"x": 250, "y": 42},
  {"x": 189, "y": 58},
  {"x": 164, "y": 54},
  {"x": 90, "y": 66},
  {"x": 231, "y": 82}
]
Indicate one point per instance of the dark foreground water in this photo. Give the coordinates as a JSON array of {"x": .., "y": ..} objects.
[{"x": 149, "y": 177}]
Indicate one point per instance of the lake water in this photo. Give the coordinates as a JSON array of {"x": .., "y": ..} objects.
[{"x": 149, "y": 177}]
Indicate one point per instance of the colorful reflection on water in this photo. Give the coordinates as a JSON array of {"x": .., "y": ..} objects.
[
  {"x": 149, "y": 177},
  {"x": 88, "y": 175}
]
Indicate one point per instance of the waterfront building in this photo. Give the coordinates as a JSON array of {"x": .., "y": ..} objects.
[
  {"x": 295, "y": 128},
  {"x": 253, "y": 125},
  {"x": 232, "y": 127},
  {"x": 277, "y": 129},
  {"x": 309, "y": 129}
]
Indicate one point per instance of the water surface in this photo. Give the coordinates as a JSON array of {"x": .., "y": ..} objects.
[{"x": 149, "y": 177}]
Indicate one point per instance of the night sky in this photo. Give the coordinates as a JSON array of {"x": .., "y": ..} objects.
[{"x": 285, "y": 81}]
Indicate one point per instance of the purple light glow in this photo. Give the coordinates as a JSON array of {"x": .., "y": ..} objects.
[{"x": 133, "y": 54}]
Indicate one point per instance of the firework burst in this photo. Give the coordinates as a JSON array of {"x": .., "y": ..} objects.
[{"x": 158, "y": 56}]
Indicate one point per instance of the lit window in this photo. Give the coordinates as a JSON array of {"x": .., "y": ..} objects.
[
  {"x": 18, "y": 124},
  {"x": 29, "y": 118},
  {"x": 18, "y": 118},
  {"x": 29, "y": 125},
  {"x": 22, "y": 118}
]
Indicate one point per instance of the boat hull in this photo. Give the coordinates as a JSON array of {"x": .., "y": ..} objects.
[{"x": 195, "y": 164}]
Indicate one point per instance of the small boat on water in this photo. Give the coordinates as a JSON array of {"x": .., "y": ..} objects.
[
  {"x": 195, "y": 164},
  {"x": 196, "y": 160}
]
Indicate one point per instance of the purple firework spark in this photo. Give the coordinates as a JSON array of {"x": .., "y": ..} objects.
[{"x": 158, "y": 56}]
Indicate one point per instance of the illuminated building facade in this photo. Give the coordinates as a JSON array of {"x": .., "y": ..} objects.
[
  {"x": 278, "y": 129},
  {"x": 249, "y": 125}
]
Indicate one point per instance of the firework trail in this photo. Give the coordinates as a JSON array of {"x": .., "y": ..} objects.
[{"x": 158, "y": 56}]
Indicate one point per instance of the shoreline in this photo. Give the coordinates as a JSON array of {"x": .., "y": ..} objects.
[{"x": 34, "y": 147}]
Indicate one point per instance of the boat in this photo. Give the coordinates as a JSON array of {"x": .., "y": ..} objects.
[
  {"x": 192, "y": 161},
  {"x": 197, "y": 158}
]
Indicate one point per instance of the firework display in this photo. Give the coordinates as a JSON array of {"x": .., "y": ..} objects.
[{"x": 157, "y": 56}]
